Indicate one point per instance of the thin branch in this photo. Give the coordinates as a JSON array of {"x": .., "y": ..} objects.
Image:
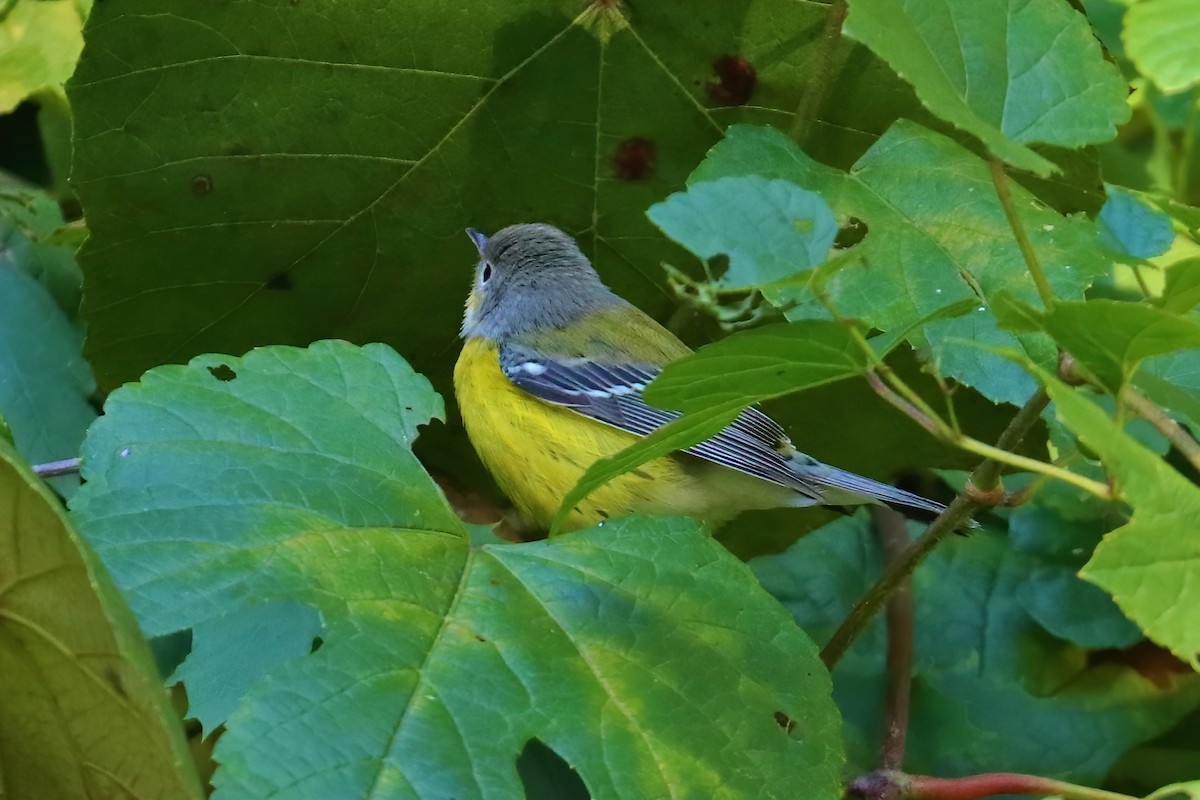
[
  {"x": 1000, "y": 455},
  {"x": 1000, "y": 180},
  {"x": 982, "y": 480},
  {"x": 894, "y": 575},
  {"x": 987, "y": 475},
  {"x": 1171, "y": 430},
  {"x": 821, "y": 79},
  {"x": 893, "y": 536},
  {"x": 891, "y": 785},
  {"x": 907, "y": 408},
  {"x": 53, "y": 468}
]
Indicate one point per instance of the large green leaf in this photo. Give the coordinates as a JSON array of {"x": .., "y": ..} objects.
[
  {"x": 84, "y": 714},
  {"x": 936, "y": 237},
  {"x": 285, "y": 171},
  {"x": 994, "y": 687},
  {"x": 285, "y": 478},
  {"x": 1151, "y": 565},
  {"x": 1160, "y": 37},
  {"x": 1011, "y": 72}
]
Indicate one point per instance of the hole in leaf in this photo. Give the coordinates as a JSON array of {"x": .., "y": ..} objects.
[
  {"x": 222, "y": 372},
  {"x": 547, "y": 776},
  {"x": 718, "y": 265},
  {"x": 1149, "y": 660},
  {"x": 850, "y": 234},
  {"x": 784, "y": 721},
  {"x": 316, "y": 644}
]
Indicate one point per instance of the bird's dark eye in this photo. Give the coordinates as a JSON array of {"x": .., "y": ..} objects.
[{"x": 486, "y": 275}]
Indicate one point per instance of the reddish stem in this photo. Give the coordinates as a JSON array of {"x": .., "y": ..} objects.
[{"x": 892, "y": 785}]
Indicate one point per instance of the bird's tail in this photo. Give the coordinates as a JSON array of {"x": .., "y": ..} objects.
[{"x": 850, "y": 489}]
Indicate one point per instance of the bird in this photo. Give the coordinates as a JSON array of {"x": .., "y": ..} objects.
[{"x": 551, "y": 379}]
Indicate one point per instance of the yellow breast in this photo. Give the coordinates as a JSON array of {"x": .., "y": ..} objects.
[{"x": 537, "y": 452}]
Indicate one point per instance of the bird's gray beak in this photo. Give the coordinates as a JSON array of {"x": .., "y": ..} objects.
[{"x": 478, "y": 238}]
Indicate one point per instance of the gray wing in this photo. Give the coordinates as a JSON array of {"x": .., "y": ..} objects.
[{"x": 612, "y": 393}]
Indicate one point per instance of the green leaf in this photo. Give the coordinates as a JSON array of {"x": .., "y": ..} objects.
[
  {"x": 959, "y": 347},
  {"x": 44, "y": 381},
  {"x": 992, "y": 689},
  {"x": 1182, "y": 290},
  {"x": 186, "y": 437},
  {"x": 1131, "y": 227},
  {"x": 936, "y": 237},
  {"x": 1159, "y": 37},
  {"x": 1110, "y": 337},
  {"x": 84, "y": 714},
  {"x": 769, "y": 229},
  {"x": 713, "y": 385},
  {"x": 225, "y": 669},
  {"x": 40, "y": 42},
  {"x": 1052, "y": 593},
  {"x": 759, "y": 364},
  {"x": 304, "y": 185},
  {"x": 1173, "y": 381},
  {"x": 1010, "y": 72},
  {"x": 33, "y": 238},
  {"x": 1151, "y": 565},
  {"x": 286, "y": 477}
]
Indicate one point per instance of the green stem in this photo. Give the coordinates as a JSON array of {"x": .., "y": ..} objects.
[
  {"x": 1090, "y": 486},
  {"x": 822, "y": 77},
  {"x": 1000, "y": 180}
]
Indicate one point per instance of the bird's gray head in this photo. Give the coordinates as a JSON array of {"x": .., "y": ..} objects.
[{"x": 530, "y": 277}]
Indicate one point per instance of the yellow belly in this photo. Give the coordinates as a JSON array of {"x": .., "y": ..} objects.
[{"x": 537, "y": 452}]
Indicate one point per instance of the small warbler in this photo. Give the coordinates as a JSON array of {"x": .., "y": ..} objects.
[{"x": 550, "y": 380}]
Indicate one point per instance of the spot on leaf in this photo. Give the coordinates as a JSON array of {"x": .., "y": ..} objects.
[
  {"x": 280, "y": 282},
  {"x": 784, "y": 721},
  {"x": 114, "y": 679},
  {"x": 736, "y": 78},
  {"x": 201, "y": 185},
  {"x": 634, "y": 159}
]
